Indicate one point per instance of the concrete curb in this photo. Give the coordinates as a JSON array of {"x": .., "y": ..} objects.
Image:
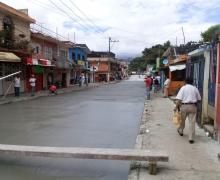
[
  {"x": 135, "y": 165},
  {"x": 59, "y": 91}
]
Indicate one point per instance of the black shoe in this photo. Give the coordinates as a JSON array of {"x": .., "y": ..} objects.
[
  {"x": 181, "y": 134},
  {"x": 191, "y": 141}
]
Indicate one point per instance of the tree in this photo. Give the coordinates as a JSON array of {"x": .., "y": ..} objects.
[
  {"x": 149, "y": 56},
  {"x": 208, "y": 34}
]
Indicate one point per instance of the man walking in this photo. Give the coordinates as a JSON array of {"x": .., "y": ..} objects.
[{"x": 187, "y": 99}]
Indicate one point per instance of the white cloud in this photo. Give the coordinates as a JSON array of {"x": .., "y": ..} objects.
[{"x": 135, "y": 23}]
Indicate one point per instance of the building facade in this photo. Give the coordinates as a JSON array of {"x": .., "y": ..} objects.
[
  {"x": 104, "y": 66},
  {"x": 15, "y": 39}
]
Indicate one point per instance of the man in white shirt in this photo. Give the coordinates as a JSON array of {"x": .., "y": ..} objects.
[
  {"x": 32, "y": 82},
  {"x": 17, "y": 85},
  {"x": 187, "y": 99}
]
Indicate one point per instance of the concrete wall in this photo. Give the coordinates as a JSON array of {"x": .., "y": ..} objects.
[
  {"x": 205, "y": 87},
  {"x": 43, "y": 44}
]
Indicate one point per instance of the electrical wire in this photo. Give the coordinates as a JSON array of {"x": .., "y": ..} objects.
[
  {"x": 79, "y": 17},
  {"x": 84, "y": 14}
]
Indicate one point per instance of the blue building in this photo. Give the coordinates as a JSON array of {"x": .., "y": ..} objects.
[{"x": 78, "y": 57}]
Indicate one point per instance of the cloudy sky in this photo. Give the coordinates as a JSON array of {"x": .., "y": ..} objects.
[{"x": 136, "y": 24}]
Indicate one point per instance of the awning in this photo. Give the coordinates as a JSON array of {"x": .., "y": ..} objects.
[
  {"x": 45, "y": 62},
  {"x": 177, "y": 67},
  {"x": 9, "y": 57},
  {"x": 39, "y": 62}
]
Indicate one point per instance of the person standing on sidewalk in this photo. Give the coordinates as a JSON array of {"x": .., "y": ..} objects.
[
  {"x": 187, "y": 99},
  {"x": 32, "y": 82},
  {"x": 148, "y": 82},
  {"x": 17, "y": 85},
  {"x": 166, "y": 87}
]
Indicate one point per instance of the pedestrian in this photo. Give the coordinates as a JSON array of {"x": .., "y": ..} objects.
[
  {"x": 166, "y": 87},
  {"x": 32, "y": 82},
  {"x": 87, "y": 80},
  {"x": 186, "y": 101},
  {"x": 82, "y": 79},
  {"x": 17, "y": 85},
  {"x": 156, "y": 85},
  {"x": 159, "y": 81},
  {"x": 53, "y": 89},
  {"x": 148, "y": 82}
]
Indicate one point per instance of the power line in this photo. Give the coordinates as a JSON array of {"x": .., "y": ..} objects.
[
  {"x": 84, "y": 14},
  {"x": 44, "y": 5},
  {"x": 63, "y": 13},
  {"x": 74, "y": 20},
  {"x": 79, "y": 17}
]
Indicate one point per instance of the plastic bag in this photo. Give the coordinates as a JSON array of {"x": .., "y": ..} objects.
[{"x": 177, "y": 118}]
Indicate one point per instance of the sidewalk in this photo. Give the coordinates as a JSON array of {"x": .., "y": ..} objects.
[
  {"x": 186, "y": 161},
  {"x": 27, "y": 96}
]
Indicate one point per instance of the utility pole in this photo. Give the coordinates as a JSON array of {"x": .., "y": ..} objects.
[
  {"x": 109, "y": 51},
  {"x": 109, "y": 43},
  {"x": 176, "y": 41},
  {"x": 183, "y": 36}
]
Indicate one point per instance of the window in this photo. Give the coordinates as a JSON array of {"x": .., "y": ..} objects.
[
  {"x": 63, "y": 54},
  {"x": 8, "y": 31},
  {"x": 37, "y": 49},
  {"x": 73, "y": 56},
  {"x": 83, "y": 57},
  {"x": 48, "y": 53},
  {"x": 78, "y": 57},
  {"x": 10, "y": 68}
]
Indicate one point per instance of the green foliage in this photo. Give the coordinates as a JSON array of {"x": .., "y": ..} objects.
[
  {"x": 149, "y": 56},
  {"x": 207, "y": 35}
]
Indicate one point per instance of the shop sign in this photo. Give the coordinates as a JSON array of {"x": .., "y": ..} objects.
[
  {"x": 82, "y": 63},
  {"x": 38, "y": 69}
]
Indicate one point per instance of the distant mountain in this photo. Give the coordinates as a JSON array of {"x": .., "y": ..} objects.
[{"x": 127, "y": 56}]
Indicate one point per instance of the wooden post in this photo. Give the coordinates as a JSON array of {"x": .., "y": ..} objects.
[{"x": 152, "y": 168}]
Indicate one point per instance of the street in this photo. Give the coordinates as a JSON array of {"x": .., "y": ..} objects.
[{"x": 106, "y": 117}]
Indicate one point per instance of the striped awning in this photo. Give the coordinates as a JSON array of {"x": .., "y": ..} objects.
[
  {"x": 9, "y": 57},
  {"x": 39, "y": 62}
]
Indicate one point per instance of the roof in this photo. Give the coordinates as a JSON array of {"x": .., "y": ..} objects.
[
  {"x": 69, "y": 43},
  {"x": 15, "y": 12},
  {"x": 83, "y": 46},
  {"x": 167, "y": 52},
  {"x": 9, "y": 57},
  {"x": 101, "y": 54},
  {"x": 181, "y": 50},
  {"x": 43, "y": 37}
]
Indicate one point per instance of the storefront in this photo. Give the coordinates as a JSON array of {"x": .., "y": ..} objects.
[
  {"x": 177, "y": 75},
  {"x": 9, "y": 63},
  {"x": 43, "y": 71}
]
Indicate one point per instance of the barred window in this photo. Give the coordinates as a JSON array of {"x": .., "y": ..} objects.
[{"x": 48, "y": 53}]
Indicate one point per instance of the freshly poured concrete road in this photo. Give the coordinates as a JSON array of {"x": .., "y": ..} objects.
[{"x": 107, "y": 116}]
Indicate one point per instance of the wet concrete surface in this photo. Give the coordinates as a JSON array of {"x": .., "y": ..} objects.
[{"x": 106, "y": 117}]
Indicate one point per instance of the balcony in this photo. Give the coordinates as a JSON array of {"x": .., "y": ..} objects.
[{"x": 63, "y": 64}]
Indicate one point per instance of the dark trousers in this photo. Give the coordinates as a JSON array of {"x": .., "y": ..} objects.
[{"x": 17, "y": 91}]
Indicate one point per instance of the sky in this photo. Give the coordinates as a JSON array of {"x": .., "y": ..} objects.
[{"x": 133, "y": 24}]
